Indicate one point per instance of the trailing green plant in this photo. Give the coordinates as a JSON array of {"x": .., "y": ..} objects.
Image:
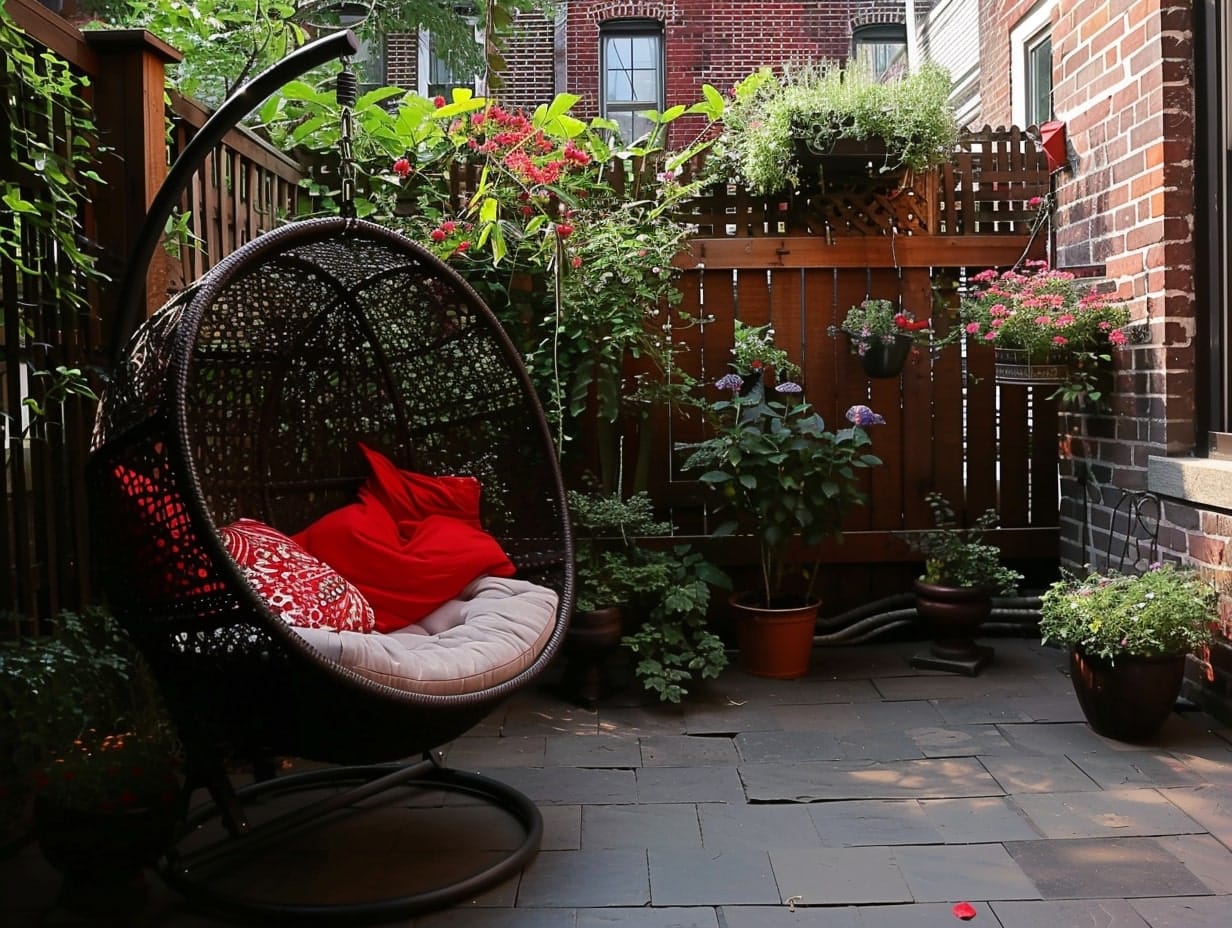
[
  {"x": 611, "y": 567},
  {"x": 675, "y": 645},
  {"x": 819, "y": 104},
  {"x": 776, "y": 467},
  {"x": 1165, "y": 610},
  {"x": 69, "y": 699},
  {"x": 955, "y": 556}
]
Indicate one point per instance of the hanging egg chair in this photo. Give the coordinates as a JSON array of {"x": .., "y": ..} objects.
[{"x": 273, "y": 392}]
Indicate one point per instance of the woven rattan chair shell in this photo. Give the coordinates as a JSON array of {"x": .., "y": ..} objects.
[{"x": 246, "y": 396}]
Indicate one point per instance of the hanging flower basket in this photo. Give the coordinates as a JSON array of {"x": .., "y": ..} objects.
[
  {"x": 880, "y": 358},
  {"x": 1015, "y": 366}
]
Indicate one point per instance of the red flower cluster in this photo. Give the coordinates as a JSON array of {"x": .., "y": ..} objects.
[{"x": 525, "y": 151}]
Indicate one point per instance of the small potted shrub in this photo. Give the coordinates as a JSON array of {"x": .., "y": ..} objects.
[
  {"x": 1128, "y": 636},
  {"x": 782, "y": 476},
  {"x": 883, "y": 335},
  {"x": 962, "y": 573}
]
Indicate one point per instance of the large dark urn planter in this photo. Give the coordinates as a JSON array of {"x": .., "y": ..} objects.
[
  {"x": 589, "y": 649},
  {"x": 1128, "y": 700},
  {"x": 953, "y": 616},
  {"x": 776, "y": 641}
]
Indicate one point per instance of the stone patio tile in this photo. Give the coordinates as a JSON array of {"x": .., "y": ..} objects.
[
  {"x": 689, "y": 784},
  {"x": 697, "y": 917},
  {"x": 602, "y": 750},
  {"x": 449, "y": 828},
  {"x": 1137, "y": 768},
  {"x": 873, "y": 822},
  {"x": 1097, "y": 913},
  {"x": 1204, "y": 857},
  {"x": 490, "y": 918},
  {"x": 839, "y": 718},
  {"x": 640, "y": 826},
  {"x": 710, "y": 877},
  {"x": 959, "y": 740},
  {"x": 939, "y": 685},
  {"x": 728, "y": 718},
  {"x": 538, "y": 716},
  {"x": 1209, "y": 806},
  {"x": 978, "y": 821},
  {"x": 687, "y": 751},
  {"x": 756, "y": 826},
  {"x": 585, "y": 879},
  {"x": 1107, "y": 813},
  {"x": 922, "y": 915},
  {"x": 865, "y": 744},
  {"x": 472, "y": 752},
  {"x": 1038, "y": 774},
  {"x": 955, "y": 872},
  {"x": 1104, "y": 868},
  {"x": 1210, "y": 912},
  {"x": 656, "y": 719},
  {"x": 1211, "y": 765},
  {"x": 780, "y": 916},
  {"x": 569, "y": 785},
  {"x": 840, "y": 876},
  {"x": 947, "y": 778},
  {"x": 562, "y": 827},
  {"x": 1065, "y": 738},
  {"x": 787, "y": 746},
  {"x": 1008, "y": 710}
]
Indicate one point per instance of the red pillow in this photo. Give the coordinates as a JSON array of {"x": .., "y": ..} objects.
[
  {"x": 296, "y": 585},
  {"x": 411, "y": 542}
]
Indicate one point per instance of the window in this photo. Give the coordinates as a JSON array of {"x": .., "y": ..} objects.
[
  {"x": 632, "y": 75},
  {"x": 1031, "y": 67},
  {"x": 879, "y": 47},
  {"x": 442, "y": 78}
]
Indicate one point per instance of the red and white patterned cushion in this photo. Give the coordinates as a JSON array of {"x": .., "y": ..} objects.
[{"x": 303, "y": 590}]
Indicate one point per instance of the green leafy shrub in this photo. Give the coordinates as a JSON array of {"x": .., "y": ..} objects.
[{"x": 958, "y": 557}]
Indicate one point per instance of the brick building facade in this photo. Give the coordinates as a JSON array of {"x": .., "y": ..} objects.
[{"x": 1127, "y": 83}]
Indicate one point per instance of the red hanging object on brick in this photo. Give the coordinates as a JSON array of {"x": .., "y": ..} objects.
[{"x": 1052, "y": 140}]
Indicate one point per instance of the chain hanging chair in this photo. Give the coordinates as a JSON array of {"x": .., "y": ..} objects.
[{"x": 248, "y": 396}]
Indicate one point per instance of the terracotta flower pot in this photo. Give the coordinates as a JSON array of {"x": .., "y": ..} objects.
[
  {"x": 774, "y": 642},
  {"x": 1128, "y": 700}
]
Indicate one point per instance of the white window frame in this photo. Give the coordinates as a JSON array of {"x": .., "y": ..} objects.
[
  {"x": 639, "y": 28},
  {"x": 1022, "y": 38},
  {"x": 424, "y": 63}
]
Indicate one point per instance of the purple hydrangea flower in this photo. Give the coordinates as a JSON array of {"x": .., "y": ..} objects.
[
  {"x": 788, "y": 386},
  {"x": 862, "y": 415},
  {"x": 731, "y": 382}
]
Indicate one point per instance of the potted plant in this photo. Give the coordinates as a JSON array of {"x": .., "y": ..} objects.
[
  {"x": 785, "y": 478},
  {"x": 809, "y": 123},
  {"x": 882, "y": 335},
  {"x": 1046, "y": 325},
  {"x": 83, "y": 730},
  {"x": 962, "y": 573},
  {"x": 1129, "y": 635}
]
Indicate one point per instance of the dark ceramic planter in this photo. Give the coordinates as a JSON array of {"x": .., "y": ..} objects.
[
  {"x": 775, "y": 641},
  {"x": 1128, "y": 700},
  {"x": 880, "y": 360},
  {"x": 590, "y": 647},
  {"x": 953, "y": 616}
]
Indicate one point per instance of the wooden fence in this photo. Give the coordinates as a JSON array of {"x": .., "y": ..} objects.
[{"x": 796, "y": 261}]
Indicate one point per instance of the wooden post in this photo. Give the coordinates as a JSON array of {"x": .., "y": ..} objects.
[{"x": 131, "y": 119}]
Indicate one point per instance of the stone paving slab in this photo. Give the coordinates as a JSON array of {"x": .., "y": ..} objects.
[
  {"x": 697, "y": 917},
  {"x": 474, "y": 752},
  {"x": 776, "y": 747},
  {"x": 657, "y": 719},
  {"x": 641, "y": 826},
  {"x": 569, "y": 785},
  {"x": 491, "y": 918},
  {"x": 873, "y": 822},
  {"x": 1209, "y": 806},
  {"x": 1204, "y": 857},
  {"x": 910, "y": 779},
  {"x": 1098, "y": 913},
  {"x": 840, "y": 876},
  {"x": 956, "y": 872},
  {"x": 756, "y": 826},
  {"x": 689, "y": 784},
  {"x": 977, "y": 821},
  {"x": 688, "y": 751},
  {"x": 601, "y": 750},
  {"x": 1104, "y": 868},
  {"x": 1065, "y": 738},
  {"x": 537, "y": 715},
  {"x": 1183, "y": 913},
  {"x": 1037, "y": 774},
  {"x": 711, "y": 877},
  {"x": 1138, "y": 768},
  {"x": 1107, "y": 813},
  {"x": 562, "y": 827},
  {"x": 959, "y": 740},
  {"x": 938, "y": 685},
  {"x": 866, "y": 744},
  {"x": 780, "y": 916},
  {"x": 1008, "y": 710},
  {"x": 728, "y": 718},
  {"x": 876, "y": 716},
  {"x": 925, "y": 915},
  {"x": 585, "y": 879}
]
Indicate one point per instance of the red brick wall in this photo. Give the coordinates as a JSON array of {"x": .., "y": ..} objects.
[
  {"x": 716, "y": 42},
  {"x": 996, "y": 21}
]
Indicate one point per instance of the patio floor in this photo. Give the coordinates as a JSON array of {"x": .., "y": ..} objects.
[{"x": 866, "y": 794}]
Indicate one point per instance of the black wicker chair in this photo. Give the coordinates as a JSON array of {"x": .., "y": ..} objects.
[{"x": 247, "y": 395}]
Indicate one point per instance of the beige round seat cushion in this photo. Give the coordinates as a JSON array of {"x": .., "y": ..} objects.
[{"x": 492, "y": 632}]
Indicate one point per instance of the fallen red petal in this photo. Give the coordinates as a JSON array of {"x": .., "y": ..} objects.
[{"x": 965, "y": 911}]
